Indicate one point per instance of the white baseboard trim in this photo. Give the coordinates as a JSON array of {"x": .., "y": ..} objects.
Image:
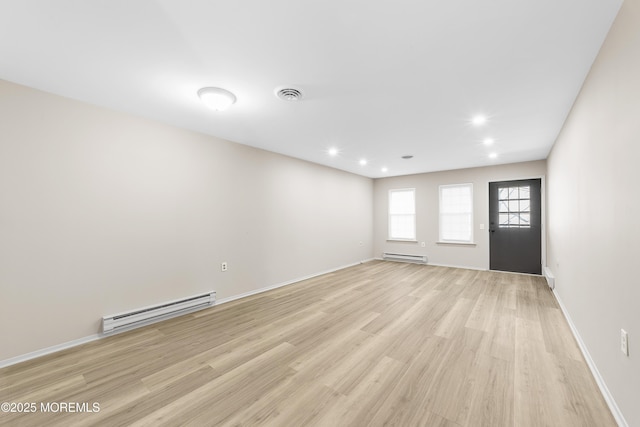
[
  {"x": 49, "y": 350},
  {"x": 457, "y": 266},
  {"x": 289, "y": 282},
  {"x": 464, "y": 267},
  {"x": 515, "y": 272},
  {"x": 436, "y": 265},
  {"x": 613, "y": 407},
  {"x": 80, "y": 341}
]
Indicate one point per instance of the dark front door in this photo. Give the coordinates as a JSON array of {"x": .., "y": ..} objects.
[{"x": 514, "y": 226}]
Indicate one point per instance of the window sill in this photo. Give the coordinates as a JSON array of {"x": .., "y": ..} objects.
[
  {"x": 402, "y": 240},
  {"x": 456, "y": 243}
]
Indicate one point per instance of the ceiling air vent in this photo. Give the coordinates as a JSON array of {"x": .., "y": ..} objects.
[{"x": 289, "y": 94}]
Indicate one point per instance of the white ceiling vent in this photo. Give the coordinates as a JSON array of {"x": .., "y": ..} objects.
[{"x": 289, "y": 94}]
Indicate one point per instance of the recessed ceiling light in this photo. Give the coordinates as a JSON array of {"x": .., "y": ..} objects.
[
  {"x": 488, "y": 141},
  {"x": 493, "y": 155},
  {"x": 216, "y": 98},
  {"x": 363, "y": 162},
  {"x": 479, "y": 120},
  {"x": 333, "y": 151},
  {"x": 384, "y": 170},
  {"x": 407, "y": 157}
]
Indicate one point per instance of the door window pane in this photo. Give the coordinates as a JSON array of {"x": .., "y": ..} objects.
[{"x": 514, "y": 206}]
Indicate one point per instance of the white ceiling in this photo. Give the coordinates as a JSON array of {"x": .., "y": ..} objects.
[{"x": 380, "y": 79}]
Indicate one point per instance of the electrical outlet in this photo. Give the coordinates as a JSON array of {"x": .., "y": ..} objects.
[
  {"x": 624, "y": 342},
  {"x": 423, "y": 244},
  {"x": 223, "y": 266}
]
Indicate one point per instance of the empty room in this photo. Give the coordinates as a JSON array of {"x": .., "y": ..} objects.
[{"x": 287, "y": 213}]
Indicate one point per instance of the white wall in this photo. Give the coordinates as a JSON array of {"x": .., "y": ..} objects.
[
  {"x": 102, "y": 212},
  {"x": 427, "y": 210},
  {"x": 594, "y": 207}
]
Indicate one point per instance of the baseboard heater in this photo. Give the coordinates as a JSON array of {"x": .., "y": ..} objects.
[
  {"x": 404, "y": 257},
  {"x": 551, "y": 279},
  {"x": 147, "y": 315}
]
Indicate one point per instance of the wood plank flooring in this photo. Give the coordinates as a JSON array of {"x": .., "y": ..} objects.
[{"x": 377, "y": 344}]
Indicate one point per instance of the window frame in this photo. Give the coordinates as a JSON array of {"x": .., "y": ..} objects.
[
  {"x": 389, "y": 216},
  {"x": 441, "y": 214}
]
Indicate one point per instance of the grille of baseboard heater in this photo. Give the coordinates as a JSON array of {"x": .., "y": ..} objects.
[
  {"x": 404, "y": 257},
  {"x": 148, "y": 315}
]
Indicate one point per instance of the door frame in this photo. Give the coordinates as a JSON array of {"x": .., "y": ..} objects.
[{"x": 543, "y": 222}]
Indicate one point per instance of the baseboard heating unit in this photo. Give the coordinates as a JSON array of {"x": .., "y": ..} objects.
[
  {"x": 551, "y": 279},
  {"x": 147, "y": 315},
  {"x": 422, "y": 259}
]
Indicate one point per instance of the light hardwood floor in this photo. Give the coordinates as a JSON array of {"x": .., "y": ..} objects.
[{"x": 377, "y": 344}]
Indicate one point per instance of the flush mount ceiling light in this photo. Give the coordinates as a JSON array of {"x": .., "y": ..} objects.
[
  {"x": 363, "y": 162},
  {"x": 488, "y": 141},
  {"x": 216, "y": 98},
  {"x": 289, "y": 94},
  {"x": 493, "y": 155},
  {"x": 333, "y": 151},
  {"x": 384, "y": 170}
]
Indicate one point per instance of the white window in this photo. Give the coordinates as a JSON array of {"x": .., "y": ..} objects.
[
  {"x": 402, "y": 214},
  {"x": 456, "y": 213}
]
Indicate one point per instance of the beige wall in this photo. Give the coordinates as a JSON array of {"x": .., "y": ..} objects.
[
  {"x": 102, "y": 212},
  {"x": 427, "y": 195},
  {"x": 594, "y": 207}
]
